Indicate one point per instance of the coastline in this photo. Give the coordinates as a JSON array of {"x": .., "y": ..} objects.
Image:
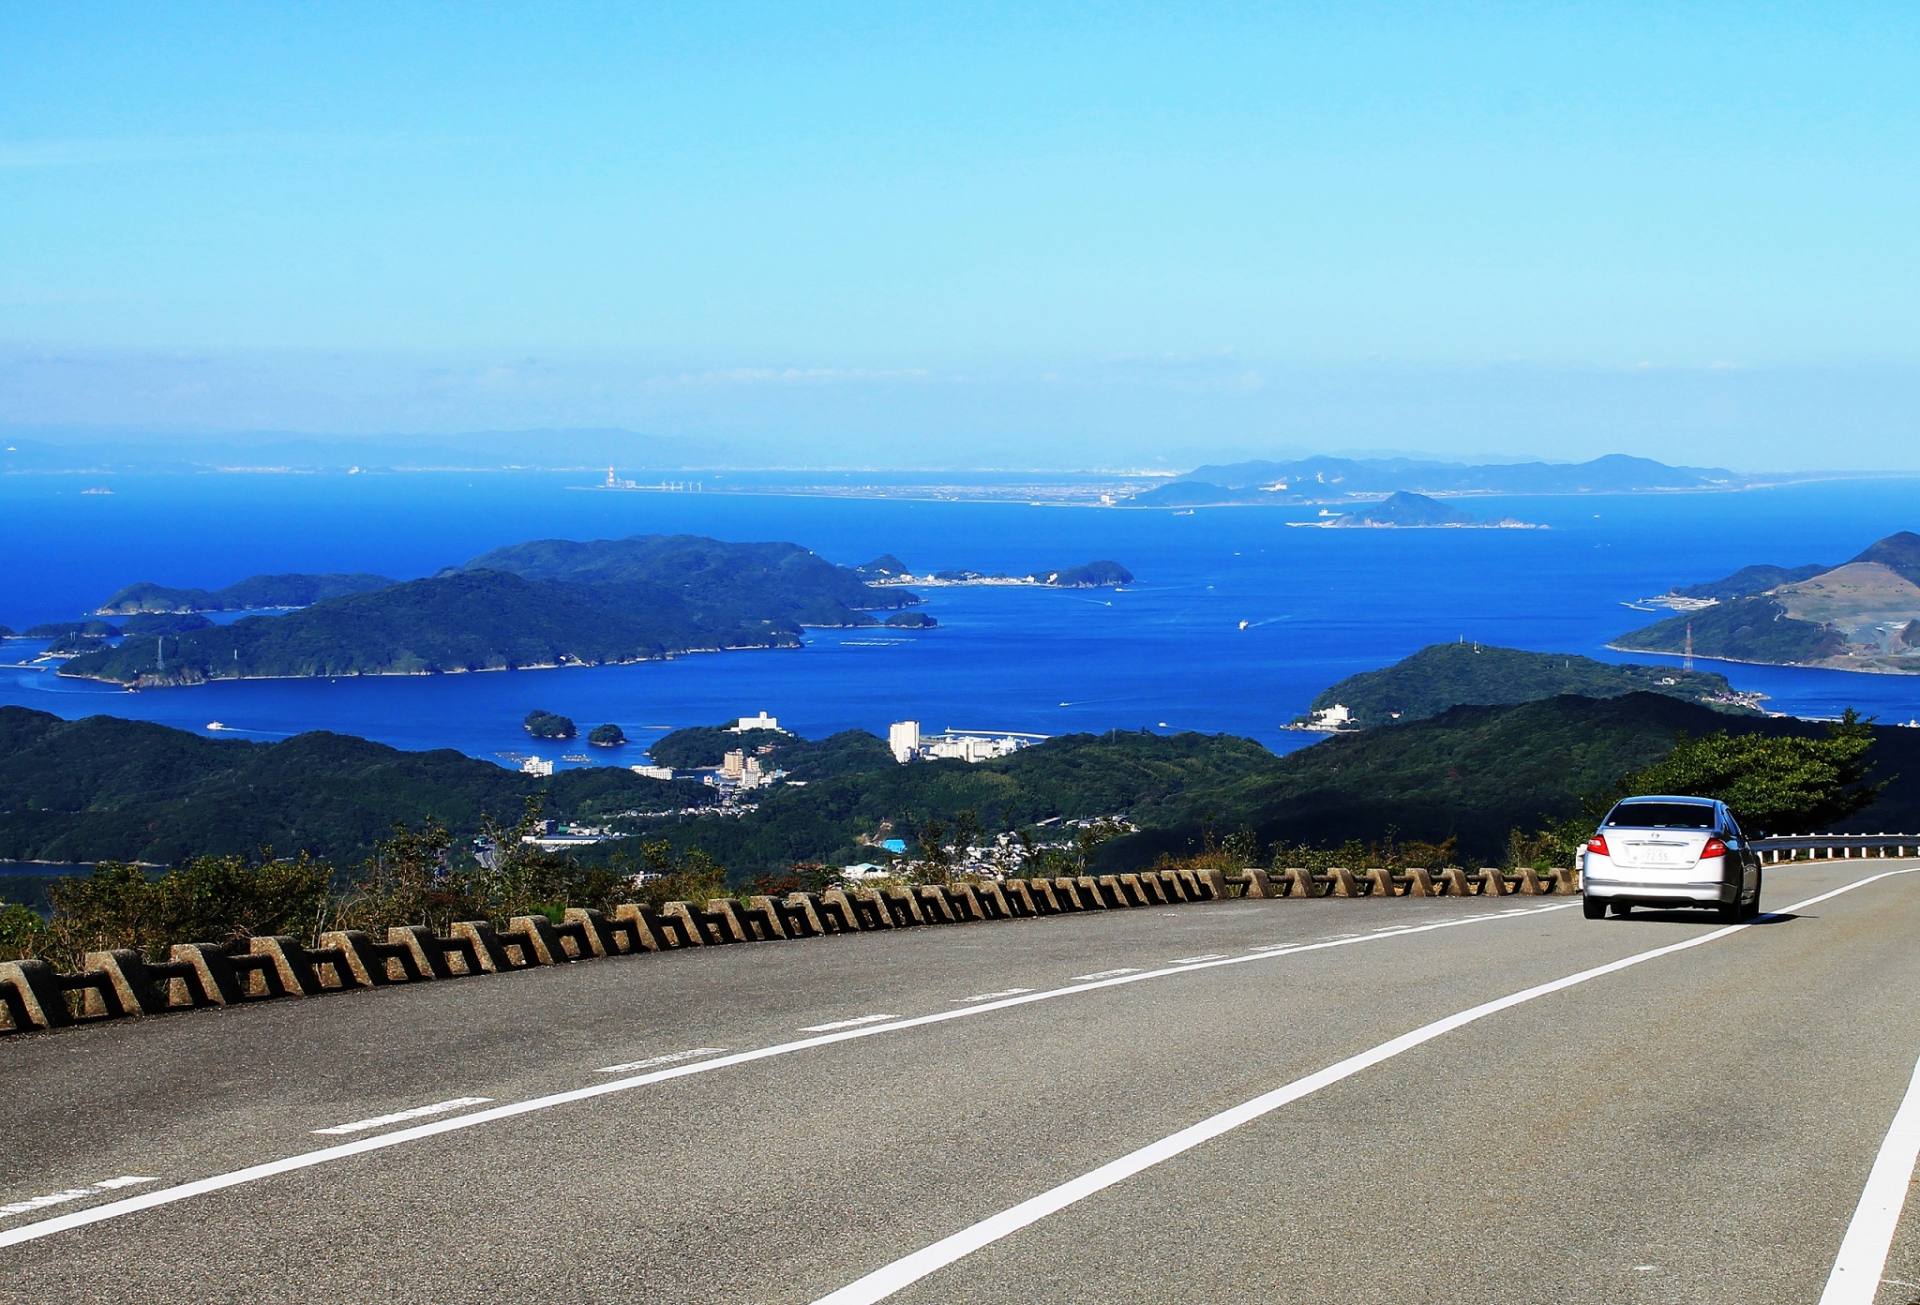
[{"x": 1744, "y": 661}]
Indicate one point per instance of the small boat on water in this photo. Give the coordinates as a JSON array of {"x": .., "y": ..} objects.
[
  {"x": 215, "y": 726},
  {"x": 1245, "y": 624}
]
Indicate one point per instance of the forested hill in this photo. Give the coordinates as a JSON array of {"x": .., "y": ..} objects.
[
  {"x": 1477, "y": 773},
  {"x": 104, "y": 788},
  {"x": 1447, "y": 675},
  {"x": 775, "y": 581},
  {"x": 255, "y": 592},
  {"x": 550, "y": 603}
]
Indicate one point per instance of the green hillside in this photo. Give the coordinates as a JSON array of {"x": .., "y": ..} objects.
[
  {"x": 104, "y": 788},
  {"x": 1452, "y": 674},
  {"x": 259, "y": 591},
  {"x": 1755, "y": 629}
]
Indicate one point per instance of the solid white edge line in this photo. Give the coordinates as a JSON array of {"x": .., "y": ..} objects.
[
  {"x": 401, "y": 1136},
  {"x": 904, "y": 1272},
  {"x": 1855, "y": 1279},
  {"x": 402, "y": 1116}
]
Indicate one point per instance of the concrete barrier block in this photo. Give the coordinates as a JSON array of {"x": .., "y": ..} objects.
[
  {"x": 1566, "y": 880},
  {"x": 1492, "y": 882},
  {"x": 1344, "y": 883},
  {"x": 209, "y": 978},
  {"x": 1454, "y": 882},
  {"x": 691, "y": 928},
  {"x": 1381, "y": 883},
  {"x": 1170, "y": 885},
  {"x": 493, "y": 951},
  {"x": 723, "y": 921},
  {"x": 964, "y": 901},
  {"x": 31, "y": 993},
  {"x": 372, "y": 963},
  {"x": 430, "y": 956},
  {"x": 1213, "y": 884},
  {"x": 801, "y": 907},
  {"x": 595, "y": 932},
  {"x": 296, "y": 973},
  {"x": 1420, "y": 883},
  {"x": 1300, "y": 883},
  {"x": 1260, "y": 884},
  {"x": 1136, "y": 891},
  {"x": 992, "y": 897},
  {"x": 936, "y": 904},
  {"x": 638, "y": 922},
  {"x": 131, "y": 987},
  {"x": 904, "y": 906},
  {"x": 1111, "y": 893},
  {"x": 538, "y": 940},
  {"x": 1089, "y": 889},
  {"x": 1038, "y": 895},
  {"x": 1532, "y": 884},
  {"x": 1022, "y": 897}
]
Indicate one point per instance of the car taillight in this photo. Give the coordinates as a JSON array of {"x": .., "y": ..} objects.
[
  {"x": 1713, "y": 848},
  {"x": 1598, "y": 845}
]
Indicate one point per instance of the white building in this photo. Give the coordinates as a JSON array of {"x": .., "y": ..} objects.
[
  {"x": 1336, "y": 717},
  {"x": 759, "y": 722},
  {"x": 903, "y": 736},
  {"x": 652, "y": 772},
  {"x": 536, "y": 766}
]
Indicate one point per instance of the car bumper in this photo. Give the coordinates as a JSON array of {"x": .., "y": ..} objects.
[{"x": 1710, "y": 892}]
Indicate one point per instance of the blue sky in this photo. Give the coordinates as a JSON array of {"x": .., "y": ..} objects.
[{"x": 1022, "y": 234}]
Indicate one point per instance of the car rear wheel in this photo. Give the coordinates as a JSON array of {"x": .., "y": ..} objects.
[
  {"x": 1621, "y": 908},
  {"x": 1593, "y": 907},
  {"x": 1753, "y": 907}
]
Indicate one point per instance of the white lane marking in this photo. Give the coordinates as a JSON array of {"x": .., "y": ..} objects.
[
  {"x": 1855, "y": 1278},
  {"x": 904, "y": 1272},
  {"x": 1389, "y": 928},
  {"x": 853, "y": 1023},
  {"x": 994, "y": 996},
  {"x": 401, "y": 1136},
  {"x": 1103, "y": 974},
  {"x": 402, "y": 1116},
  {"x": 1195, "y": 960},
  {"x": 654, "y": 1062},
  {"x": 33, "y": 1203},
  {"x": 1521, "y": 910}
]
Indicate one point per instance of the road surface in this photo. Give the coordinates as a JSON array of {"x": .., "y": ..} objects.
[{"x": 1445, "y": 1100}]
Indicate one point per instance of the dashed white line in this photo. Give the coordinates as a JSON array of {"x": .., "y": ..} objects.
[
  {"x": 904, "y": 1272},
  {"x": 1855, "y": 1279},
  {"x": 671, "y": 1058},
  {"x": 995, "y": 996},
  {"x": 33, "y": 1203},
  {"x": 402, "y": 1116},
  {"x": 266, "y": 1169},
  {"x": 1195, "y": 960},
  {"x": 853, "y": 1023},
  {"x": 1102, "y": 974}
]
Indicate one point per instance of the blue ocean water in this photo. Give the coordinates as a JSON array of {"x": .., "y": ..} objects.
[{"x": 1168, "y": 652}]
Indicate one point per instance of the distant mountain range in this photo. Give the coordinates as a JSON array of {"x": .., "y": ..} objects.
[
  {"x": 1321, "y": 480},
  {"x": 1862, "y": 615}
]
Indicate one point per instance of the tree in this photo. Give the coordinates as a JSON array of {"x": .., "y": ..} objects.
[{"x": 1772, "y": 783}]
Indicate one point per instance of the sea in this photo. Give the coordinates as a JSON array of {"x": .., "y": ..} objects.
[{"x": 1235, "y": 620}]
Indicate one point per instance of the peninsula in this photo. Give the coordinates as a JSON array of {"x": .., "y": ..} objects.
[
  {"x": 1342, "y": 480},
  {"x": 255, "y": 593},
  {"x": 888, "y": 570},
  {"x": 1863, "y": 615},
  {"x": 543, "y": 604},
  {"x": 1442, "y": 676}
]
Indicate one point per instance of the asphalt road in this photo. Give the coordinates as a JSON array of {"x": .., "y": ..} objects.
[{"x": 1398, "y": 1101}]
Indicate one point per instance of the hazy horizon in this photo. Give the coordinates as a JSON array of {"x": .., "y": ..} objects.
[{"x": 1004, "y": 236}]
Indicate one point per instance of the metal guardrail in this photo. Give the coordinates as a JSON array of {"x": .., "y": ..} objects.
[{"x": 1837, "y": 846}]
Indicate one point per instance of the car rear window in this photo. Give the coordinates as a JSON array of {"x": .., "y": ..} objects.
[{"x": 1661, "y": 815}]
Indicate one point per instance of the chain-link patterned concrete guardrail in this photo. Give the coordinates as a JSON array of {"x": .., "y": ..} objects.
[{"x": 122, "y": 983}]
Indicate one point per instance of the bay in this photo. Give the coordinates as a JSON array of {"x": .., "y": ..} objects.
[{"x": 1168, "y": 652}]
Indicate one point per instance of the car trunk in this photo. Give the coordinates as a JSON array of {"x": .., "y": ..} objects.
[{"x": 1656, "y": 849}]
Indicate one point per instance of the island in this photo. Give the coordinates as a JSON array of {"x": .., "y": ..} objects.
[
  {"x": 910, "y": 621},
  {"x": 548, "y": 725},
  {"x": 607, "y": 736},
  {"x": 1339, "y": 480},
  {"x": 7, "y": 633},
  {"x": 887, "y": 571},
  {"x": 1406, "y": 511},
  {"x": 1858, "y": 616},
  {"x": 255, "y": 593},
  {"x": 1442, "y": 676},
  {"x": 545, "y": 604}
]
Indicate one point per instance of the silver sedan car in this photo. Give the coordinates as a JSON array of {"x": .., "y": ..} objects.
[{"x": 1670, "y": 851}]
